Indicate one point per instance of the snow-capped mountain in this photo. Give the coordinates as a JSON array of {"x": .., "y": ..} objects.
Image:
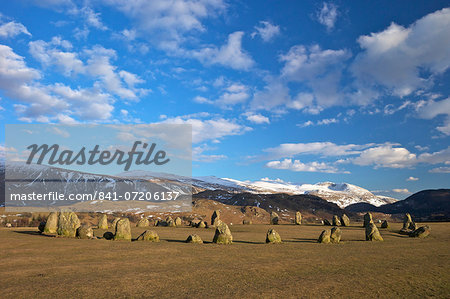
[{"x": 342, "y": 194}]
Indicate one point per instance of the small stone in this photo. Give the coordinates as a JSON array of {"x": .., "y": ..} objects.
[
  {"x": 148, "y": 235},
  {"x": 85, "y": 232},
  {"x": 274, "y": 218},
  {"x": 272, "y": 236},
  {"x": 194, "y": 239}
]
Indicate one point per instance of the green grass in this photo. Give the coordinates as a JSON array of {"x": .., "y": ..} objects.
[{"x": 38, "y": 266}]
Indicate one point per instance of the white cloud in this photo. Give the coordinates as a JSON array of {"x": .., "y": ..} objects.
[
  {"x": 230, "y": 54},
  {"x": 404, "y": 191},
  {"x": 266, "y": 30},
  {"x": 325, "y": 149},
  {"x": 257, "y": 118},
  {"x": 168, "y": 23},
  {"x": 12, "y": 29},
  {"x": 199, "y": 156},
  {"x": 209, "y": 129},
  {"x": 98, "y": 65},
  {"x": 442, "y": 169},
  {"x": 46, "y": 103},
  {"x": 274, "y": 94},
  {"x": 412, "y": 179},
  {"x": 386, "y": 156},
  {"x": 322, "y": 122},
  {"x": 296, "y": 165},
  {"x": 405, "y": 59},
  {"x": 327, "y": 15},
  {"x": 431, "y": 109}
]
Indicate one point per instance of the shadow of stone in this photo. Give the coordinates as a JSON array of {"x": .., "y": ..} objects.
[{"x": 33, "y": 233}]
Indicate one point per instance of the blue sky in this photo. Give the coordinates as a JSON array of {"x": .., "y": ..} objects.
[{"x": 304, "y": 91}]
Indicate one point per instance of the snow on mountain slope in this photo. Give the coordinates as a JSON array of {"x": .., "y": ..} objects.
[{"x": 342, "y": 194}]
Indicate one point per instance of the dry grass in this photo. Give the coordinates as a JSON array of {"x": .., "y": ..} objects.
[{"x": 37, "y": 266}]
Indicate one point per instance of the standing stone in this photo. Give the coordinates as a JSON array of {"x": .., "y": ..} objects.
[
  {"x": 367, "y": 219},
  {"x": 201, "y": 224},
  {"x": 336, "y": 221},
  {"x": 324, "y": 237},
  {"x": 123, "y": 230},
  {"x": 407, "y": 221},
  {"x": 326, "y": 222},
  {"x": 215, "y": 217},
  {"x": 85, "y": 232},
  {"x": 143, "y": 222},
  {"x": 412, "y": 226},
  {"x": 194, "y": 239},
  {"x": 51, "y": 226},
  {"x": 247, "y": 222},
  {"x": 274, "y": 218},
  {"x": 298, "y": 218},
  {"x": 178, "y": 221},
  {"x": 272, "y": 236},
  {"x": 335, "y": 235},
  {"x": 223, "y": 234},
  {"x": 103, "y": 222},
  {"x": 113, "y": 224},
  {"x": 385, "y": 224},
  {"x": 148, "y": 235},
  {"x": 68, "y": 223},
  {"x": 372, "y": 233},
  {"x": 41, "y": 226},
  {"x": 421, "y": 232},
  {"x": 345, "y": 221}
]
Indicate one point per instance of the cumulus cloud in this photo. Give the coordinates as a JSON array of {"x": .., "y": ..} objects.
[
  {"x": 327, "y": 15},
  {"x": 322, "y": 122},
  {"x": 386, "y": 155},
  {"x": 404, "y": 191},
  {"x": 412, "y": 179},
  {"x": 257, "y": 118},
  {"x": 403, "y": 59},
  {"x": 209, "y": 129},
  {"x": 296, "y": 165},
  {"x": 443, "y": 169},
  {"x": 324, "y": 149},
  {"x": 230, "y": 54},
  {"x": 266, "y": 30},
  {"x": 168, "y": 23},
  {"x": 431, "y": 109},
  {"x": 12, "y": 29},
  {"x": 98, "y": 65}
]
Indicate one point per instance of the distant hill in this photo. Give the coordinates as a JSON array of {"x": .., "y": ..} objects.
[
  {"x": 279, "y": 202},
  {"x": 426, "y": 204}
]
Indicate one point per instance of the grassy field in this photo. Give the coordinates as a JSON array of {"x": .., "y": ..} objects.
[{"x": 36, "y": 266}]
